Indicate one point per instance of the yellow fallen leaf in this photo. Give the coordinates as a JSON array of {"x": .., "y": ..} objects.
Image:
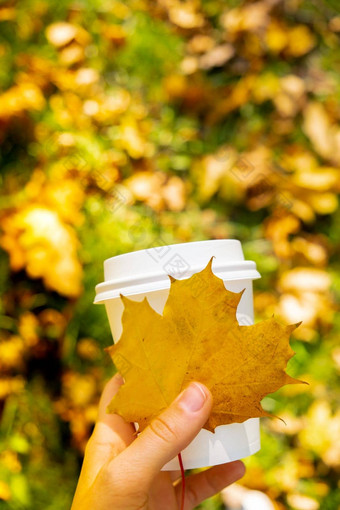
[
  {"x": 174, "y": 193},
  {"x": 131, "y": 139},
  {"x": 61, "y": 33},
  {"x": 12, "y": 351},
  {"x": 266, "y": 86},
  {"x": 313, "y": 250},
  {"x": 146, "y": 187},
  {"x": 235, "y": 97},
  {"x": 322, "y": 179},
  {"x": 279, "y": 229},
  {"x": 79, "y": 388},
  {"x": 319, "y": 129},
  {"x": 72, "y": 54},
  {"x": 11, "y": 385},
  {"x": 7, "y": 14},
  {"x": 217, "y": 56},
  {"x": 198, "y": 338},
  {"x": 5, "y": 491},
  {"x": 300, "y": 41},
  {"x": 88, "y": 349},
  {"x": 184, "y": 15},
  {"x": 291, "y": 98},
  {"x": 10, "y": 461},
  {"x": 250, "y": 18},
  {"x": 305, "y": 279},
  {"x": 116, "y": 34},
  {"x": 38, "y": 240},
  {"x": 323, "y": 203},
  {"x": 276, "y": 36},
  {"x": 20, "y": 98},
  {"x": 28, "y": 328},
  {"x": 200, "y": 43},
  {"x": 321, "y": 432},
  {"x": 302, "y": 502}
]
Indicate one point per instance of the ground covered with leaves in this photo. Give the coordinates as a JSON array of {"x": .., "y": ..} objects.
[{"x": 127, "y": 125}]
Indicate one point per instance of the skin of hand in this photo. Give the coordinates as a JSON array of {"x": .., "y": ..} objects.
[{"x": 122, "y": 471}]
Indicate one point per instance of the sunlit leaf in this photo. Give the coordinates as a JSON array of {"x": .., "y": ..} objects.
[{"x": 239, "y": 371}]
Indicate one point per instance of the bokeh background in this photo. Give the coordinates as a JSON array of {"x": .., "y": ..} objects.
[{"x": 131, "y": 124}]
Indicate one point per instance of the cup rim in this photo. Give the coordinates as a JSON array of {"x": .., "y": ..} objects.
[{"x": 228, "y": 264}]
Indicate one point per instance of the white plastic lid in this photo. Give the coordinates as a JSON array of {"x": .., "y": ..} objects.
[{"x": 147, "y": 270}]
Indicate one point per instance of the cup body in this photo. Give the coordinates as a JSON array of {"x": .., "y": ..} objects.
[{"x": 145, "y": 273}]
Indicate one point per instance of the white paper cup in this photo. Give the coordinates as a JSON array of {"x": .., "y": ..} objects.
[{"x": 145, "y": 273}]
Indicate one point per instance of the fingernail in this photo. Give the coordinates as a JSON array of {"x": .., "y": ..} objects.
[
  {"x": 119, "y": 378},
  {"x": 192, "y": 398}
]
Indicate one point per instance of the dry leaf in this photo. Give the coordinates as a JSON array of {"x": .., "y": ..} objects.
[
  {"x": 198, "y": 339},
  {"x": 279, "y": 229},
  {"x": 217, "y": 56},
  {"x": 247, "y": 18},
  {"x": 300, "y": 41},
  {"x": 200, "y": 43},
  {"x": 20, "y": 98},
  {"x": 38, "y": 240},
  {"x": 305, "y": 279},
  {"x": 185, "y": 15},
  {"x": 302, "y": 502},
  {"x": 321, "y": 179},
  {"x": 319, "y": 129},
  {"x": 276, "y": 36},
  {"x": 291, "y": 98},
  {"x": 5, "y": 491},
  {"x": 213, "y": 169},
  {"x": 61, "y": 33},
  {"x": 174, "y": 193},
  {"x": 115, "y": 34}
]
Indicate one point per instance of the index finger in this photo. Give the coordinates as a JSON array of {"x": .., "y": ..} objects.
[{"x": 112, "y": 429}]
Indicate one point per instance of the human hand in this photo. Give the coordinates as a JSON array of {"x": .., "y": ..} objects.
[{"x": 123, "y": 472}]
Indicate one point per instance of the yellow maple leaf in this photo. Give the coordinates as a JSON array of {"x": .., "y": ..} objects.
[
  {"x": 38, "y": 240},
  {"x": 198, "y": 338}
]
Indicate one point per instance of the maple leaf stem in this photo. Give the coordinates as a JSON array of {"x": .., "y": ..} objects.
[{"x": 183, "y": 480}]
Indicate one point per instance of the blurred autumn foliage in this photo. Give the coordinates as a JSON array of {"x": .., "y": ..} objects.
[{"x": 126, "y": 125}]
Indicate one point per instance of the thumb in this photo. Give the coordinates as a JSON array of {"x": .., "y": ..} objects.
[{"x": 169, "y": 433}]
